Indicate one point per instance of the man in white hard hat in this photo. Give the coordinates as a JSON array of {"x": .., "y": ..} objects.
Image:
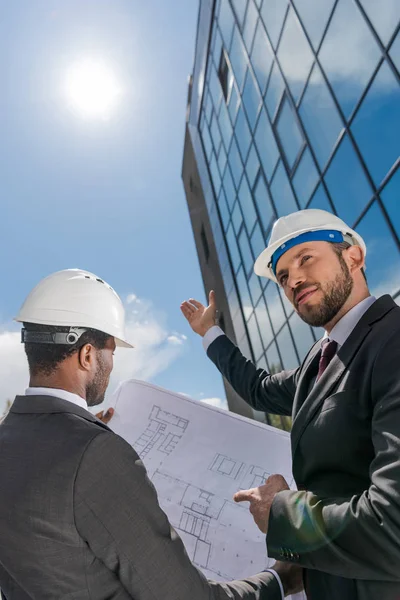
[
  {"x": 343, "y": 525},
  {"x": 78, "y": 516}
]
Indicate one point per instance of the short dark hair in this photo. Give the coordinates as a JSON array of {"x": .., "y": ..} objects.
[
  {"x": 45, "y": 358},
  {"x": 339, "y": 247}
]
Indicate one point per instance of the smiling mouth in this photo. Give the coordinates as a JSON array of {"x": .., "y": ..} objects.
[{"x": 304, "y": 296}]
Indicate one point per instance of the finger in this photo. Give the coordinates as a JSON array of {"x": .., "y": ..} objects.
[
  {"x": 196, "y": 303},
  {"x": 100, "y": 415},
  {"x": 211, "y": 298},
  {"x": 186, "y": 312},
  {"x": 243, "y": 496},
  {"x": 108, "y": 416},
  {"x": 188, "y": 307}
]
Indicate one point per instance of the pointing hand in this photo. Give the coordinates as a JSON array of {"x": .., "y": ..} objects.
[{"x": 201, "y": 318}]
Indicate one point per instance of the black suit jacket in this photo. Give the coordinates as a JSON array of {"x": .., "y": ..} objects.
[
  {"x": 80, "y": 520},
  {"x": 343, "y": 524}
]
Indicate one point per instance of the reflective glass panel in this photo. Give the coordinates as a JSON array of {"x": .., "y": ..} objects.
[
  {"x": 314, "y": 16},
  {"x": 247, "y": 204},
  {"x": 215, "y": 176},
  {"x": 238, "y": 326},
  {"x": 244, "y": 294},
  {"x": 255, "y": 288},
  {"x": 208, "y": 107},
  {"x": 384, "y": 16},
  {"x": 238, "y": 58},
  {"x": 349, "y": 54},
  {"x": 273, "y": 13},
  {"x": 274, "y": 304},
  {"x": 395, "y": 51},
  {"x": 263, "y": 202},
  {"x": 289, "y": 133},
  {"x": 255, "y": 337},
  {"x": 243, "y": 135},
  {"x": 264, "y": 323},
  {"x": 239, "y": 6},
  {"x": 295, "y": 55},
  {"x": 320, "y": 117},
  {"x": 215, "y": 89},
  {"x": 226, "y": 270},
  {"x": 266, "y": 145},
  {"x": 251, "y": 99},
  {"x": 229, "y": 187},
  {"x": 237, "y": 219},
  {"x": 215, "y": 134},
  {"x": 257, "y": 241},
  {"x": 235, "y": 162},
  {"x": 252, "y": 165},
  {"x": 226, "y": 21},
  {"x": 288, "y": 353},
  {"x": 250, "y": 25},
  {"x": 320, "y": 200},
  {"x": 222, "y": 158},
  {"x": 347, "y": 183},
  {"x": 207, "y": 142},
  {"x": 302, "y": 335},
  {"x": 261, "y": 56},
  {"x": 217, "y": 45},
  {"x": 233, "y": 103},
  {"x": 377, "y": 124},
  {"x": 233, "y": 248},
  {"x": 305, "y": 178},
  {"x": 275, "y": 89},
  {"x": 234, "y": 308},
  {"x": 383, "y": 256},
  {"x": 391, "y": 199},
  {"x": 247, "y": 257},
  {"x": 282, "y": 192},
  {"x": 274, "y": 362},
  {"x": 223, "y": 209},
  {"x": 245, "y": 348},
  {"x": 225, "y": 125}
]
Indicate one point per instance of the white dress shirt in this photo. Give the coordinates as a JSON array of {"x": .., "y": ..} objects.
[{"x": 63, "y": 394}]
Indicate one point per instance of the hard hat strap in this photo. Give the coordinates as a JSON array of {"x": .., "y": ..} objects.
[
  {"x": 69, "y": 338},
  {"x": 321, "y": 235}
]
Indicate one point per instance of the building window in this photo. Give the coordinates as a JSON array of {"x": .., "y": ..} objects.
[
  {"x": 204, "y": 241},
  {"x": 225, "y": 76}
]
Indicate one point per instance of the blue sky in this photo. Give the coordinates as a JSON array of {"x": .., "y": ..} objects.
[{"x": 103, "y": 195}]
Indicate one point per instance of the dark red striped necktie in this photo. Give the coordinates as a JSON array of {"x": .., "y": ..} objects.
[{"x": 328, "y": 351}]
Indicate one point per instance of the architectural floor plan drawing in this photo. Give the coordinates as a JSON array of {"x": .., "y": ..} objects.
[{"x": 198, "y": 456}]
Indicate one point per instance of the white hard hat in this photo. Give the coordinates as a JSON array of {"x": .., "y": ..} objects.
[
  {"x": 77, "y": 299},
  {"x": 311, "y": 224}
]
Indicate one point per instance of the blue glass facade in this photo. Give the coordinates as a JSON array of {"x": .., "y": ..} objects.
[{"x": 310, "y": 118}]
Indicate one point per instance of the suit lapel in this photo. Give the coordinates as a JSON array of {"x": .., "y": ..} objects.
[{"x": 327, "y": 382}]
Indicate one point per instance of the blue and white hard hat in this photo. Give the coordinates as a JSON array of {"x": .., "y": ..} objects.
[{"x": 302, "y": 226}]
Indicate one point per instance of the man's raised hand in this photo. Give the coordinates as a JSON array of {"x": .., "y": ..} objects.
[{"x": 201, "y": 318}]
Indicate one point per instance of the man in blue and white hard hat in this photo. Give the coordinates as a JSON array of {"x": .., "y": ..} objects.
[{"x": 343, "y": 525}]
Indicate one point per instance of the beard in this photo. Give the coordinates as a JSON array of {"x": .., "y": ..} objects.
[
  {"x": 335, "y": 294},
  {"x": 96, "y": 389}
]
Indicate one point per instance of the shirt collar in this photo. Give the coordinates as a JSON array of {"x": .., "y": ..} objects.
[
  {"x": 347, "y": 323},
  {"x": 45, "y": 391}
]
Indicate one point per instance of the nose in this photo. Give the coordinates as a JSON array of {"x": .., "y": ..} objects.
[{"x": 295, "y": 279}]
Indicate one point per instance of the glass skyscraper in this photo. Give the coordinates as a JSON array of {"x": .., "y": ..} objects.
[{"x": 292, "y": 104}]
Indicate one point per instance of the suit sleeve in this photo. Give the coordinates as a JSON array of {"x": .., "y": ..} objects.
[
  {"x": 118, "y": 516},
  {"x": 355, "y": 537},
  {"x": 268, "y": 393}
]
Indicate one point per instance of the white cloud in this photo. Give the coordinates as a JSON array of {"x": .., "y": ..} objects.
[
  {"x": 155, "y": 350},
  {"x": 218, "y": 402}
]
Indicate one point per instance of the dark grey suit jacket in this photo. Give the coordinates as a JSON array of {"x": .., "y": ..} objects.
[
  {"x": 79, "y": 518},
  {"x": 344, "y": 524}
]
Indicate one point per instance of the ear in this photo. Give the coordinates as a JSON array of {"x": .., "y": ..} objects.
[
  {"x": 86, "y": 357},
  {"x": 355, "y": 258}
]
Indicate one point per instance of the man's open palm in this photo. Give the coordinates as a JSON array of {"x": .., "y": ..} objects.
[{"x": 201, "y": 318}]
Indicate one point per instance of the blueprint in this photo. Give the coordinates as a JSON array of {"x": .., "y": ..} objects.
[{"x": 197, "y": 457}]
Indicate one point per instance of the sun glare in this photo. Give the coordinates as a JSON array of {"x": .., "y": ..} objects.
[{"x": 92, "y": 89}]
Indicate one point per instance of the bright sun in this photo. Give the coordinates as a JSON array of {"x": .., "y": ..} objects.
[{"x": 92, "y": 89}]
